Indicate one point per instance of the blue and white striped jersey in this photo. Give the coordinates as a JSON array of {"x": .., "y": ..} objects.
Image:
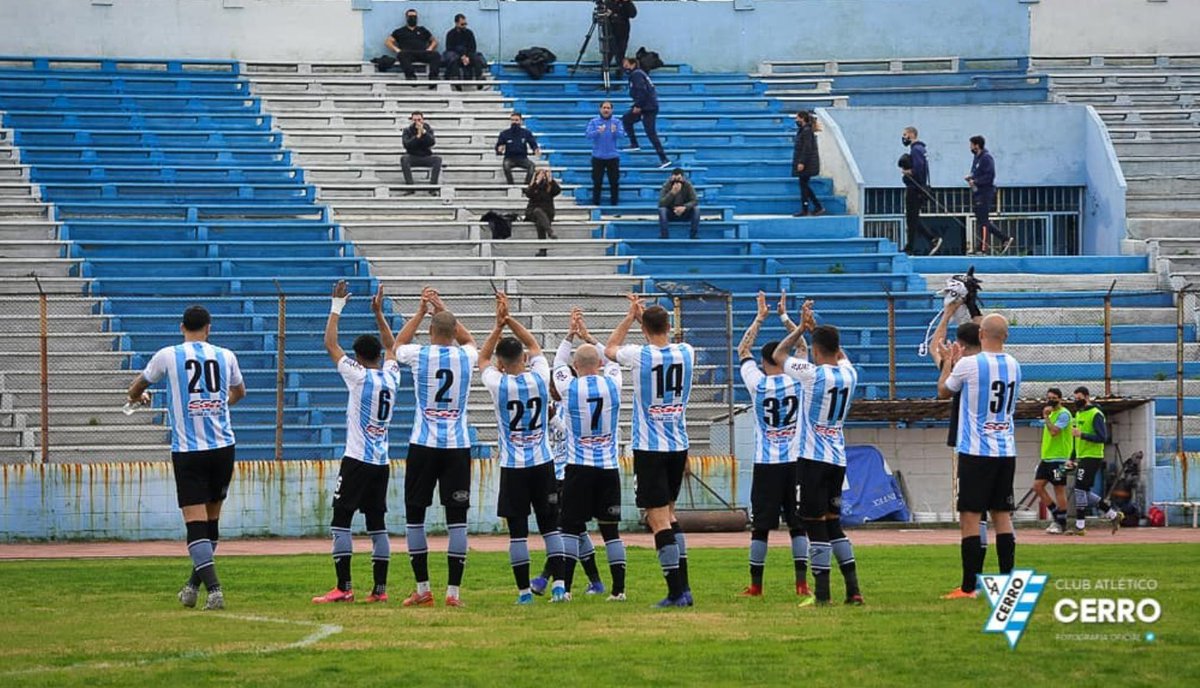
[
  {"x": 662, "y": 383},
  {"x": 522, "y": 413},
  {"x": 593, "y": 407},
  {"x": 369, "y": 408},
  {"x": 777, "y": 401},
  {"x": 826, "y": 399},
  {"x": 989, "y": 384},
  {"x": 199, "y": 376},
  {"x": 442, "y": 380},
  {"x": 558, "y": 440}
]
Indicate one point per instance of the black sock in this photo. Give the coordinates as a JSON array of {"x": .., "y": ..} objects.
[
  {"x": 457, "y": 565},
  {"x": 618, "y": 577},
  {"x": 756, "y": 574},
  {"x": 420, "y": 566},
  {"x": 521, "y": 574},
  {"x": 1006, "y": 551},
  {"x": 200, "y": 550},
  {"x": 668, "y": 557},
  {"x": 972, "y": 557},
  {"x": 822, "y": 585},
  {"x": 569, "y": 573},
  {"x": 342, "y": 566},
  {"x": 545, "y": 570},
  {"x": 379, "y": 568},
  {"x": 214, "y": 534},
  {"x": 590, "y": 568},
  {"x": 850, "y": 573}
]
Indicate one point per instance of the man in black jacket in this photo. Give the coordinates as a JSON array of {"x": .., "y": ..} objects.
[
  {"x": 982, "y": 181},
  {"x": 516, "y": 143},
  {"x": 916, "y": 185},
  {"x": 806, "y": 162},
  {"x": 413, "y": 43},
  {"x": 619, "y": 14},
  {"x": 462, "y": 58},
  {"x": 645, "y": 108},
  {"x": 418, "y": 144}
]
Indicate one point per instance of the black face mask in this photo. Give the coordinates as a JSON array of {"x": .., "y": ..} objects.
[
  {"x": 1053, "y": 402},
  {"x": 516, "y": 125},
  {"x": 906, "y": 141},
  {"x": 1080, "y": 403},
  {"x": 412, "y": 21}
]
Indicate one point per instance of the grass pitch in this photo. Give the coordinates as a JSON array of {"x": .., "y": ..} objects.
[{"x": 116, "y": 622}]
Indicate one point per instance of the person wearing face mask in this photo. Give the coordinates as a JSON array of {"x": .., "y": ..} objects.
[
  {"x": 413, "y": 43},
  {"x": 1057, "y": 443},
  {"x": 603, "y": 133},
  {"x": 462, "y": 59},
  {"x": 515, "y": 144},
  {"x": 540, "y": 209},
  {"x": 1091, "y": 434},
  {"x": 418, "y": 143},
  {"x": 677, "y": 202},
  {"x": 916, "y": 185},
  {"x": 645, "y": 109},
  {"x": 982, "y": 181},
  {"x": 806, "y": 162}
]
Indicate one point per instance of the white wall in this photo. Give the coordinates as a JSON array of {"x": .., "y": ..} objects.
[
  {"x": 1114, "y": 27},
  {"x": 215, "y": 29}
]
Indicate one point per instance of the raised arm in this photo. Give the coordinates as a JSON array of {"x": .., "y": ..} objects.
[
  {"x": 493, "y": 338},
  {"x": 952, "y": 354},
  {"x": 617, "y": 338},
  {"x": 406, "y": 333},
  {"x": 385, "y": 330},
  {"x": 341, "y": 295},
  {"x": 781, "y": 309},
  {"x": 747, "y": 343},
  {"x": 794, "y": 339},
  {"x": 940, "y": 333},
  {"x": 519, "y": 330}
]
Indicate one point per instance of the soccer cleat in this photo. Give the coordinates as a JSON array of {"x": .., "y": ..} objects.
[
  {"x": 188, "y": 596},
  {"x": 419, "y": 599},
  {"x": 686, "y": 599},
  {"x": 937, "y": 246},
  {"x": 618, "y": 597},
  {"x": 1116, "y": 519},
  {"x": 215, "y": 601},
  {"x": 1054, "y": 529},
  {"x": 958, "y": 594},
  {"x": 855, "y": 600},
  {"x": 1007, "y": 245},
  {"x": 525, "y": 598},
  {"x": 631, "y": 149},
  {"x": 668, "y": 602},
  {"x": 751, "y": 591},
  {"x": 802, "y": 589},
  {"x": 335, "y": 595},
  {"x": 377, "y": 597},
  {"x": 1077, "y": 532},
  {"x": 818, "y": 212},
  {"x": 454, "y": 602},
  {"x": 538, "y": 585},
  {"x": 560, "y": 595},
  {"x": 807, "y": 601},
  {"x": 595, "y": 588},
  {"x": 664, "y": 164}
]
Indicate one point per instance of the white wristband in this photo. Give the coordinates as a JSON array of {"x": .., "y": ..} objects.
[
  {"x": 338, "y": 303},
  {"x": 785, "y": 319}
]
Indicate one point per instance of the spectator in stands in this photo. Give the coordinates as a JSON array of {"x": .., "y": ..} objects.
[
  {"x": 806, "y": 162},
  {"x": 418, "y": 144},
  {"x": 604, "y": 133},
  {"x": 645, "y": 108},
  {"x": 515, "y": 144},
  {"x": 677, "y": 202},
  {"x": 413, "y": 43},
  {"x": 462, "y": 57},
  {"x": 619, "y": 14},
  {"x": 982, "y": 181},
  {"x": 540, "y": 209},
  {"x": 916, "y": 188}
]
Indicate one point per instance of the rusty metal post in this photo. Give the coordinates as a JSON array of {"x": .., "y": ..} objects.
[
  {"x": 280, "y": 346},
  {"x": 677, "y": 304},
  {"x": 1108, "y": 359},
  {"x": 44, "y": 367},
  {"x": 891, "y": 320},
  {"x": 729, "y": 386}
]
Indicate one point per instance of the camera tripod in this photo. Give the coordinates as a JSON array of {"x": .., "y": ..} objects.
[{"x": 599, "y": 19}]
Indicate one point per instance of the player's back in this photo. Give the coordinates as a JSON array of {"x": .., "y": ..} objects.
[
  {"x": 522, "y": 415},
  {"x": 989, "y": 384},
  {"x": 198, "y": 376},
  {"x": 661, "y": 390},
  {"x": 826, "y": 401},
  {"x": 442, "y": 383},
  {"x": 593, "y": 409},
  {"x": 777, "y": 400},
  {"x": 369, "y": 406}
]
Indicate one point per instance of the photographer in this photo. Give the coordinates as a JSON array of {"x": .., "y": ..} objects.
[
  {"x": 413, "y": 43},
  {"x": 618, "y": 14},
  {"x": 540, "y": 209},
  {"x": 462, "y": 59},
  {"x": 914, "y": 167},
  {"x": 677, "y": 202},
  {"x": 418, "y": 142}
]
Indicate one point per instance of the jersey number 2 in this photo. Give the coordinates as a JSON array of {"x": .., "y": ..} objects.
[
  {"x": 211, "y": 371},
  {"x": 445, "y": 379}
]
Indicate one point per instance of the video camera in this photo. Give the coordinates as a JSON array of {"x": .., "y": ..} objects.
[{"x": 600, "y": 11}]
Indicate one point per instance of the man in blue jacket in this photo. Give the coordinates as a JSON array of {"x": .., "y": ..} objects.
[
  {"x": 983, "y": 195},
  {"x": 645, "y": 108},
  {"x": 603, "y": 133},
  {"x": 515, "y": 144},
  {"x": 916, "y": 185}
]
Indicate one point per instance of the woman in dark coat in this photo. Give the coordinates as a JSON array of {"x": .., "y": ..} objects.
[
  {"x": 540, "y": 210},
  {"x": 806, "y": 162}
]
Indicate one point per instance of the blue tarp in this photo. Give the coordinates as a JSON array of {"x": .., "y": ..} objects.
[{"x": 872, "y": 493}]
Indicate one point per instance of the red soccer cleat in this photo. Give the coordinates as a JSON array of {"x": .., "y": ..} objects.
[
  {"x": 802, "y": 589},
  {"x": 751, "y": 591},
  {"x": 855, "y": 600},
  {"x": 334, "y": 595},
  {"x": 454, "y": 602},
  {"x": 377, "y": 597},
  {"x": 419, "y": 599},
  {"x": 958, "y": 594}
]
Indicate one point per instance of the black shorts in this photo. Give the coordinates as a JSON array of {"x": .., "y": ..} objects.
[
  {"x": 202, "y": 477},
  {"x": 820, "y": 488},
  {"x": 658, "y": 477},
  {"x": 1085, "y": 473},
  {"x": 590, "y": 492},
  {"x": 361, "y": 486},
  {"x": 447, "y": 469},
  {"x": 773, "y": 494},
  {"x": 985, "y": 483},
  {"x": 1052, "y": 472},
  {"x": 524, "y": 488}
]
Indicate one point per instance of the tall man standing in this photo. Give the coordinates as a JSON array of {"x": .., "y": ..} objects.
[
  {"x": 1091, "y": 434},
  {"x": 603, "y": 133},
  {"x": 413, "y": 43},
  {"x": 645, "y": 109},
  {"x": 662, "y": 384},
  {"x": 916, "y": 185},
  {"x": 203, "y": 382},
  {"x": 987, "y": 447},
  {"x": 982, "y": 181},
  {"x": 619, "y": 14},
  {"x": 1057, "y": 443}
]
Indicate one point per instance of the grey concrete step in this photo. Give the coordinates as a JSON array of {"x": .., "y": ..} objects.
[
  {"x": 388, "y": 174},
  {"x": 1160, "y": 185},
  {"x": 13, "y": 208},
  {"x": 28, "y": 230},
  {"x": 510, "y": 267},
  {"x": 1171, "y": 205},
  {"x": 382, "y": 139},
  {"x": 45, "y": 250},
  {"x": 1045, "y": 317},
  {"x": 516, "y": 247},
  {"x": 1026, "y": 282},
  {"x": 1136, "y": 166},
  {"x": 317, "y": 156},
  {"x": 1150, "y": 227},
  {"x": 541, "y": 284},
  {"x": 42, "y": 267},
  {"x": 424, "y": 233},
  {"x": 1155, "y": 147},
  {"x": 1094, "y": 353}
]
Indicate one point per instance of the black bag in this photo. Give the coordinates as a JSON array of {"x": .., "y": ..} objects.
[
  {"x": 383, "y": 63},
  {"x": 501, "y": 225},
  {"x": 535, "y": 61},
  {"x": 648, "y": 60}
]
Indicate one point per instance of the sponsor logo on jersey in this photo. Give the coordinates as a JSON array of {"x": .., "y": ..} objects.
[
  {"x": 206, "y": 407},
  {"x": 831, "y": 431},
  {"x": 780, "y": 435},
  {"x": 665, "y": 411},
  {"x": 375, "y": 430},
  {"x": 520, "y": 439},
  {"x": 996, "y": 426},
  {"x": 595, "y": 440},
  {"x": 441, "y": 414}
]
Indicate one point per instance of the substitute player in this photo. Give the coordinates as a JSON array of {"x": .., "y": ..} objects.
[
  {"x": 522, "y": 397},
  {"x": 1090, "y": 435},
  {"x": 372, "y": 378},
  {"x": 777, "y": 403},
  {"x": 203, "y": 381},
  {"x": 592, "y": 483},
  {"x": 439, "y": 451},
  {"x": 1057, "y": 444},
  {"x": 828, "y": 383},
  {"x": 987, "y": 449},
  {"x": 662, "y": 383}
]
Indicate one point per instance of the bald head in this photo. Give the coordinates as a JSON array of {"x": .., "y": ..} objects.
[
  {"x": 993, "y": 332},
  {"x": 442, "y": 328},
  {"x": 587, "y": 360}
]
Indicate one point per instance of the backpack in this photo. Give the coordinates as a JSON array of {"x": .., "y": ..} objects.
[
  {"x": 535, "y": 61},
  {"x": 648, "y": 60},
  {"x": 383, "y": 63},
  {"x": 500, "y": 225}
]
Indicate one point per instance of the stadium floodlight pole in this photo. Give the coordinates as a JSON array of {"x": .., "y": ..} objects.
[{"x": 44, "y": 365}]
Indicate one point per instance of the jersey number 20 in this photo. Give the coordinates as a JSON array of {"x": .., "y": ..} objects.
[{"x": 211, "y": 371}]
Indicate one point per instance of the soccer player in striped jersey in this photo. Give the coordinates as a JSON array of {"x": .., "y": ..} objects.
[
  {"x": 662, "y": 383},
  {"x": 521, "y": 393},
  {"x": 203, "y": 382},
  {"x": 987, "y": 449},
  {"x": 592, "y": 482},
  {"x": 777, "y": 400},
  {"x": 372, "y": 378},
  {"x": 828, "y": 385},
  {"x": 439, "y": 449}
]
